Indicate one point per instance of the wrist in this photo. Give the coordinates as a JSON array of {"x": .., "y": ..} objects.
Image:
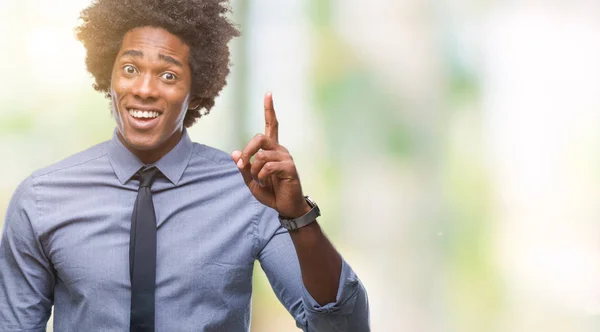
[
  {"x": 302, "y": 209},
  {"x": 308, "y": 215}
]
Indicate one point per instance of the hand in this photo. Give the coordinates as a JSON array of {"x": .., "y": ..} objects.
[{"x": 271, "y": 177}]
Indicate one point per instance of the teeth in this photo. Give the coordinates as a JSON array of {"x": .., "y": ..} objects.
[{"x": 143, "y": 114}]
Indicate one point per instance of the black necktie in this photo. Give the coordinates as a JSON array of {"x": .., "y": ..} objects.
[{"x": 142, "y": 255}]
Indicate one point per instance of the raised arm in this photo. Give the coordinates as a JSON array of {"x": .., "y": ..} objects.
[{"x": 273, "y": 179}]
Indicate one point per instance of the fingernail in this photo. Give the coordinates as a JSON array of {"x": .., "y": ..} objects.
[
  {"x": 240, "y": 163},
  {"x": 261, "y": 183}
]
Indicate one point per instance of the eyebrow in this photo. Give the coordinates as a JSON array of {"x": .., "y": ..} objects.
[
  {"x": 170, "y": 60},
  {"x": 161, "y": 56}
]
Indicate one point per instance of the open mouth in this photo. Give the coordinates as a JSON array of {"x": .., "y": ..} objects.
[
  {"x": 143, "y": 119},
  {"x": 143, "y": 115}
]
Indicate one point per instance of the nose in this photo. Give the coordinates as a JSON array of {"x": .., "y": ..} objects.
[{"x": 145, "y": 87}]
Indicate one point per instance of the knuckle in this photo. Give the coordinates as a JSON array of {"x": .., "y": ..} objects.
[
  {"x": 290, "y": 164},
  {"x": 262, "y": 175},
  {"x": 259, "y": 156}
]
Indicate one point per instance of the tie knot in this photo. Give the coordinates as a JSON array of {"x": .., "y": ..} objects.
[{"x": 147, "y": 176}]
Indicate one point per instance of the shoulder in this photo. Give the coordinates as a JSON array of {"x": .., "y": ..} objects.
[
  {"x": 21, "y": 209},
  {"x": 212, "y": 155},
  {"x": 23, "y": 194},
  {"x": 76, "y": 160}
]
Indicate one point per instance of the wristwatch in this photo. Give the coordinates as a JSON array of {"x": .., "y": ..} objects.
[{"x": 307, "y": 218}]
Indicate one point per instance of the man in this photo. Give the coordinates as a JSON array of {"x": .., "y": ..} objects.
[{"x": 151, "y": 232}]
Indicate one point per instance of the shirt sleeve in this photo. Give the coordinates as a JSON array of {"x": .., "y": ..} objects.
[
  {"x": 277, "y": 256},
  {"x": 26, "y": 275}
]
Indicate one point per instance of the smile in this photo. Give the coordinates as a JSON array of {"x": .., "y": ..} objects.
[{"x": 139, "y": 114}]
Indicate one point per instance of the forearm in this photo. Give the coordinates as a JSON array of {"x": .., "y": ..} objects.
[
  {"x": 331, "y": 298},
  {"x": 320, "y": 263}
]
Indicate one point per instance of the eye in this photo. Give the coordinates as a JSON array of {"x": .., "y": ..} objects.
[
  {"x": 129, "y": 69},
  {"x": 168, "y": 76}
]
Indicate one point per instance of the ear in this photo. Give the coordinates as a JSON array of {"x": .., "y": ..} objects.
[{"x": 194, "y": 104}]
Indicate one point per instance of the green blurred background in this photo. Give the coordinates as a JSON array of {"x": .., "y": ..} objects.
[{"x": 453, "y": 145}]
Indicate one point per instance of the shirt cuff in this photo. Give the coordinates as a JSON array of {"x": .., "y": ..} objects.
[{"x": 344, "y": 300}]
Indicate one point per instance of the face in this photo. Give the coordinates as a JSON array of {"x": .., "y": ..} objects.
[{"x": 150, "y": 91}]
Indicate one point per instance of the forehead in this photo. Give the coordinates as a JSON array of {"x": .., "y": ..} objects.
[{"x": 153, "y": 41}]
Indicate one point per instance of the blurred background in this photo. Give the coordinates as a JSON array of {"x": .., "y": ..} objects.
[{"x": 453, "y": 146}]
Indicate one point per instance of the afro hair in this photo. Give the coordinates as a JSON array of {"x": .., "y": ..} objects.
[{"x": 201, "y": 24}]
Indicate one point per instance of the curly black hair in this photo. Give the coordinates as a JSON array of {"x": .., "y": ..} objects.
[{"x": 201, "y": 24}]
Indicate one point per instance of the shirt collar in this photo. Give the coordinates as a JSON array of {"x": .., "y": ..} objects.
[{"x": 125, "y": 164}]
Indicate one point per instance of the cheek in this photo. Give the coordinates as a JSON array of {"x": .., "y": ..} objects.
[
  {"x": 116, "y": 93},
  {"x": 118, "y": 87},
  {"x": 180, "y": 100},
  {"x": 179, "y": 111},
  {"x": 114, "y": 97}
]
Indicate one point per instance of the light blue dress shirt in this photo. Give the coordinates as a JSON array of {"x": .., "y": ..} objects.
[{"x": 65, "y": 242}]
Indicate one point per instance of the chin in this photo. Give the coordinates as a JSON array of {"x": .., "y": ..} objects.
[{"x": 139, "y": 141}]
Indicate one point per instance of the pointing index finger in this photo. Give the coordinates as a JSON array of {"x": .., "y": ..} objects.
[{"x": 271, "y": 124}]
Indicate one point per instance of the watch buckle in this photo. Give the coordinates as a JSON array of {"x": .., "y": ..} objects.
[{"x": 291, "y": 225}]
